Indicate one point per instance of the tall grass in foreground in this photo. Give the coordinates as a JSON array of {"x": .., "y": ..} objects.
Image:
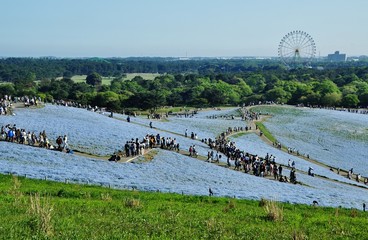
[
  {"x": 132, "y": 203},
  {"x": 51, "y": 210},
  {"x": 40, "y": 211},
  {"x": 15, "y": 191},
  {"x": 273, "y": 209}
]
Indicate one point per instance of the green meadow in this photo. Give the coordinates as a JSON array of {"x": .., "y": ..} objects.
[
  {"x": 82, "y": 78},
  {"x": 40, "y": 209},
  {"x": 107, "y": 80},
  {"x": 146, "y": 76}
]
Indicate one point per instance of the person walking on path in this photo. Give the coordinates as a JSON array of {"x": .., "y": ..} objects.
[
  {"x": 280, "y": 170},
  {"x": 65, "y": 142}
]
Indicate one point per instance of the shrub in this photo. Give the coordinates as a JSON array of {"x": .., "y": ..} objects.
[
  {"x": 299, "y": 235},
  {"x": 353, "y": 213},
  {"x": 274, "y": 211},
  {"x": 230, "y": 205},
  {"x": 132, "y": 203},
  {"x": 106, "y": 197}
]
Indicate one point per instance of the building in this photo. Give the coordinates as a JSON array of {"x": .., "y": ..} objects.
[{"x": 336, "y": 57}]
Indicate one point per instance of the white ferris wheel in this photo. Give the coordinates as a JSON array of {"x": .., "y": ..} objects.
[{"x": 297, "y": 49}]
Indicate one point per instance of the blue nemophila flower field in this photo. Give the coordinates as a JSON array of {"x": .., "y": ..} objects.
[{"x": 169, "y": 171}]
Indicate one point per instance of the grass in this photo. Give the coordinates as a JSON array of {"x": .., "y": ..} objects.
[
  {"x": 238, "y": 135},
  {"x": 146, "y": 76},
  {"x": 181, "y": 109},
  {"x": 82, "y": 78},
  {"x": 167, "y": 109},
  {"x": 277, "y": 109},
  {"x": 107, "y": 80},
  {"x": 40, "y": 212},
  {"x": 38, "y": 209},
  {"x": 265, "y": 131}
]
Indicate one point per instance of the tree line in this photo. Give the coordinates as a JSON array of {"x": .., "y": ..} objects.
[{"x": 201, "y": 83}]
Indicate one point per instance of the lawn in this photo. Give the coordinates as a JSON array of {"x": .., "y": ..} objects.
[
  {"x": 38, "y": 209},
  {"x": 146, "y": 76},
  {"x": 82, "y": 78},
  {"x": 107, "y": 80}
]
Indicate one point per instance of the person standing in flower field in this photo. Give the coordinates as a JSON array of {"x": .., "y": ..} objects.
[{"x": 65, "y": 142}]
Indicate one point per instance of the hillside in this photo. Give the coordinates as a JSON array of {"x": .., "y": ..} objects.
[{"x": 49, "y": 210}]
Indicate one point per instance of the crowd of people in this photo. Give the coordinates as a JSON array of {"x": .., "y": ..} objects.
[
  {"x": 248, "y": 115},
  {"x": 226, "y": 117},
  {"x": 244, "y": 161},
  {"x": 11, "y": 133},
  {"x": 185, "y": 114},
  {"x": 7, "y": 102},
  {"x": 136, "y": 147},
  {"x": 29, "y": 101},
  {"x": 5, "y": 105}
]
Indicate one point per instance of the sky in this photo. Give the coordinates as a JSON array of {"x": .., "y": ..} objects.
[{"x": 177, "y": 28}]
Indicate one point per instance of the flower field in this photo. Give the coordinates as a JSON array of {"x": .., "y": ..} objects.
[
  {"x": 336, "y": 138},
  {"x": 169, "y": 171}
]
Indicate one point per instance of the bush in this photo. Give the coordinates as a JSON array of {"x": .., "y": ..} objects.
[
  {"x": 132, "y": 203},
  {"x": 274, "y": 211}
]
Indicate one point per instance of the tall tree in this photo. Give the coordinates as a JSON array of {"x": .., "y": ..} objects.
[
  {"x": 350, "y": 100},
  {"x": 94, "y": 79}
]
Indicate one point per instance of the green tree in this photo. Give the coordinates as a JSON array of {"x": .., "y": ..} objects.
[
  {"x": 243, "y": 89},
  {"x": 327, "y": 86},
  {"x": 107, "y": 99},
  {"x": 94, "y": 79},
  {"x": 313, "y": 98},
  {"x": 116, "y": 85},
  {"x": 153, "y": 100},
  {"x": 350, "y": 100},
  {"x": 25, "y": 85},
  {"x": 6, "y": 89},
  {"x": 348, "y": 89},
  {"x": 175, "y": 97},
  {"x": 301, "y": 93},
  {"x": 278, "y": 94},
  {"x": 363, "y": 98},
  {"x": 221, "y": 93},
  {"x": 85, "y": 98},
  {"x": 330, "y": 93},
  {"x": 331, "y": 99},
  {"x": 257, "y": 82}
]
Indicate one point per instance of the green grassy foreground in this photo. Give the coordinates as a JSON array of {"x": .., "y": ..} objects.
[{"x": 36, "y": 209}]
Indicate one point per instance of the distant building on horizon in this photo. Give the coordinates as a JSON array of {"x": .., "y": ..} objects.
[{"x": 336, "y": 57}]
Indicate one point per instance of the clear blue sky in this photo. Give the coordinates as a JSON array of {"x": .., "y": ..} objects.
[{"x": 174, "y": 28}]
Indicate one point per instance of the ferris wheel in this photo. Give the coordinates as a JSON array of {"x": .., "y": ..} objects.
[{"x": 297, "y": 49}]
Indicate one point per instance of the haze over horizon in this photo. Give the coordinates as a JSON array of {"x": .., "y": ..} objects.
[{"x": 163, "y": 28}]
